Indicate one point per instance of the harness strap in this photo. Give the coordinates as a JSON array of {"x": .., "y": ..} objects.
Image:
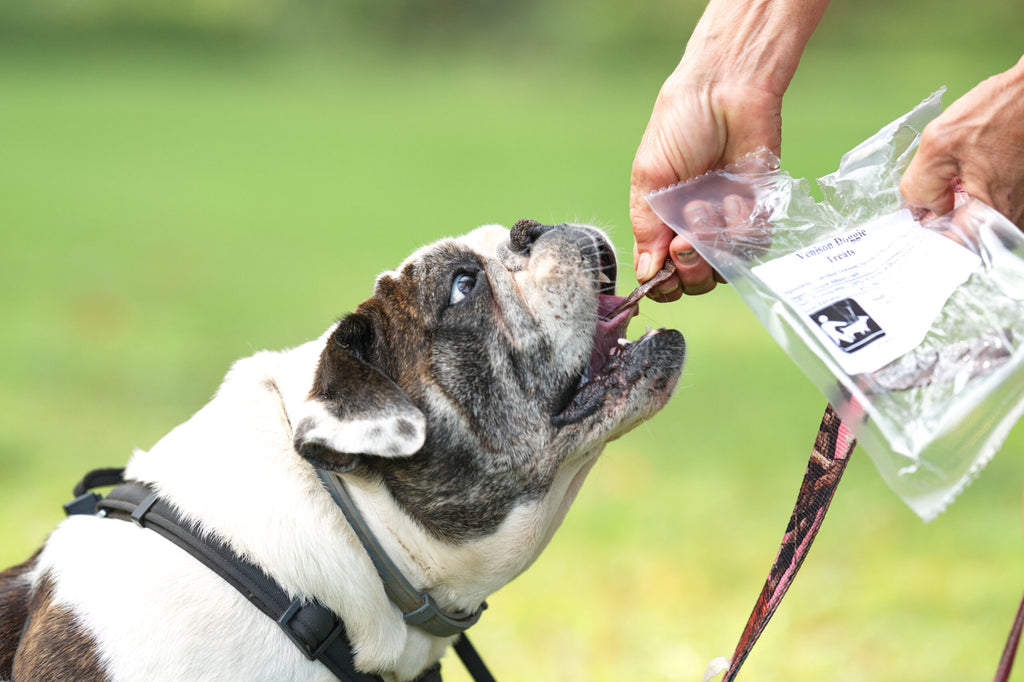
[
  {"x": 311, "y": 626},
  {"x": 471, "y": 659},
  {"x": 418, "y": 608}
]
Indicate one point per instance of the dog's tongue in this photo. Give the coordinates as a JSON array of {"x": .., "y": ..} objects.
[
  {"x": 613, "y": 318},
  {"x": 614, "y": 314}
]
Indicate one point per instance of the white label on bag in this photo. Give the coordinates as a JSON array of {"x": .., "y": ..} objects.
[{"x": 871, "y": 294}]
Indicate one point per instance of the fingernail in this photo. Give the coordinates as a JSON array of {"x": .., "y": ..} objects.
[
  {"x": 668, "y": 287},
  {"x": 733, "y": 207},
  {"x": 696, "y": 214},
  {"x": 643, "y": 266},
  {"x": 688, "y": 257}
]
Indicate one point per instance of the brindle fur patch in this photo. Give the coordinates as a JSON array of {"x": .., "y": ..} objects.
[
  {"x": 484, "y": 446},
  {"x": 54, "y": 646},
  {"x": 14, "y": 594}
]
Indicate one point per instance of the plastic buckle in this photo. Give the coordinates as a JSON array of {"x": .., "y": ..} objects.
[
  {"x": 84, "y": 504},
  {"x": 310, "y": 653},
  {"x": 426, "y": 611}
]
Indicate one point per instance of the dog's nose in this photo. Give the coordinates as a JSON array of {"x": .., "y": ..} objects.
[{"x": 524, "y": 234}]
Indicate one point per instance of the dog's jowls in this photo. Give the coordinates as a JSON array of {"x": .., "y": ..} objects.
[{"x": 464, "y": 402}]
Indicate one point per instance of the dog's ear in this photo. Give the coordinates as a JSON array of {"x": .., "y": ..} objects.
[{"x": 353, "y": 409}]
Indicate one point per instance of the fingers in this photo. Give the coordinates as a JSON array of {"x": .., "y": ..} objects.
[
  {"x": 652, "y": 238},
  {"x": 654, "y": 243},
  {"x": 743, "y": 226},
  {"x": 694, "y": 273},
  {"x": 728, "y": 223},
  {"x": 927, "y": 184},
  {"x": 651, "y": 246},
  {"x": 977, "y": 140}
]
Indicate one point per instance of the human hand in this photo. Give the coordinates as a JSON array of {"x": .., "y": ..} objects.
[
  {"x": 723, "y": 101},
  {"x": 695, "y": 127},
  {"x": 978, "y": 140}
]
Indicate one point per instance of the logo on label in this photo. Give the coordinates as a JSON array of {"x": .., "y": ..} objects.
[{"x": 846, "y": 323}]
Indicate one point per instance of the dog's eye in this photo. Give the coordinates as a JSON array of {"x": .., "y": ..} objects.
[{"x": 462, "y": 285}]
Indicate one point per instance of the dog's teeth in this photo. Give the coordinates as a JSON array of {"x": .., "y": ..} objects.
[
  {"x": 623, "y": 343},
  {"x": 603, "y": 278}
]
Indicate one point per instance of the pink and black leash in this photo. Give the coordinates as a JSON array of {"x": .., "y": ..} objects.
[{"x": 832, "y": 449}]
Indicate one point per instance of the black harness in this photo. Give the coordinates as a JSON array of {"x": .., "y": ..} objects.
[{"x": 317, "y": 632}]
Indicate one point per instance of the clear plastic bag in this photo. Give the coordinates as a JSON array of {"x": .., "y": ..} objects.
[{"x": 914, "y": 331}]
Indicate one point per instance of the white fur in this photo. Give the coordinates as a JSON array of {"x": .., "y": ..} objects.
[{"x": 381, "y": 435}]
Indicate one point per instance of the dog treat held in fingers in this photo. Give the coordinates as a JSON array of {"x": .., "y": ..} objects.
[
  {"x": 667, "y": 270},
  {"x": 451, "y": 418}
]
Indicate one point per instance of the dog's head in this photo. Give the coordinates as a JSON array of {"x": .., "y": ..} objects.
[{"x": 482, "y": 369}]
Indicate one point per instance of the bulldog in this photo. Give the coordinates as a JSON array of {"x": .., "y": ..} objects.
[{"x": 460, "y": 407}]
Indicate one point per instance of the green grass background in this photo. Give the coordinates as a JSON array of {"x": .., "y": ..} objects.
[{"x": 167, "y": 207}]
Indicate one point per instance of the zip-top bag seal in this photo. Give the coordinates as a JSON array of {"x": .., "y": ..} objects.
[{"x": 911, "y": 326}]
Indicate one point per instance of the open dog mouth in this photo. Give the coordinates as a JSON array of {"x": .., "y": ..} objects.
[
  {"x": 613, "y": 316},
  {"x": 611, "y": 351}
]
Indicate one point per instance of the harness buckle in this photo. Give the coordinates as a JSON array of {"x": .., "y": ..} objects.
[
  {"x": 285, "y": 621},
  {"x": 83, "y": 504}
]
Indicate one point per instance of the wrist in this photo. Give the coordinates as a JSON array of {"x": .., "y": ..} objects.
[{"x": 754, "y": 43}]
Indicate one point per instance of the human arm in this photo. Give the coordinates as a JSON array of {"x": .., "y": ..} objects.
[
  {"x": 723, "y": 101},
  {"x": 979, "y": 140}
]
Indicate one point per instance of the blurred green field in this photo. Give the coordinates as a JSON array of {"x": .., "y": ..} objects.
[{"x": 167, "y": 209}]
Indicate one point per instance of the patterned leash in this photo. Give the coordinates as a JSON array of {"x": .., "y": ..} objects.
[
  {"x": 825, "y": 468},
  {"x": 832, "y": 449}
]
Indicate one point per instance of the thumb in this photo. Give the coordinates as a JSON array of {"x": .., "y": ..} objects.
[
  {"x": 651, "y": 237},
  {"x": 928, "y": 181}
]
